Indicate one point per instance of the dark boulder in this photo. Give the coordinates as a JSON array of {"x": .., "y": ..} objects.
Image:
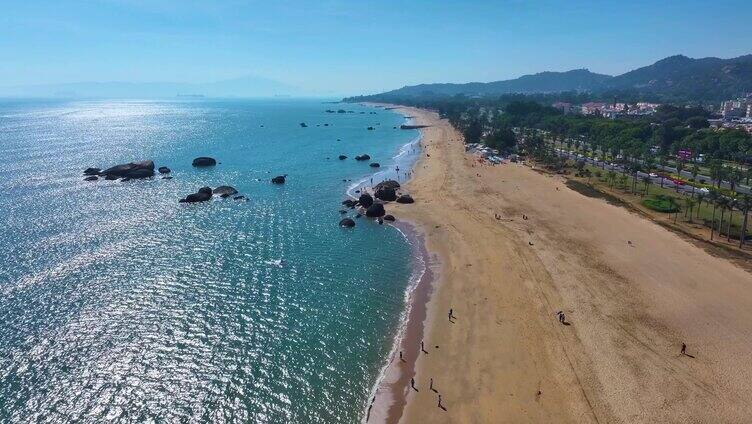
[
  {"x": 376, "y": 210},
  {"x": 387, "y": 184},
  {"x": 381, "y": 221},
  {"x": 92, "y": 171},
  {"x": 164, "y": 170},
  {"x": 91, "y": 178},
  {"x": 350, "y": 203},
  {"x": 342, "y": 211},
  {"x": 204, "y": 161},
  {"x": 386, "y": 194},
  {"x": 167, "y": 177},
  {"x": 371, "y": 128},
  {"x": 389, "y": 218},
  {"x": 238, "y": 198},
  {"x": 201, "y": 196},
  {"x": 143, "y": 169},
  {"x": 303, "y": 125},
  {"x": 362, "y": 157},
  {"x": 342, "y": 157},
  {"x": 374, "y": 165},
  {"x": 405, "y": 198},
  {"x": 110, "y": 177},
  {"x": 225, "y": 191},
  {"x": 365, "y": 200},
  {"x": 347, "y": 223},
  {"x": 279, "y": 179},
  {"x": 205, "y": 190}
]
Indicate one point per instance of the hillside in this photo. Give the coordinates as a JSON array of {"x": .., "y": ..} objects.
[{"x": 676, "y": 78}]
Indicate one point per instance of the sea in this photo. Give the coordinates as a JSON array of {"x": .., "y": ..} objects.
[{"x": 119, "y": 304}]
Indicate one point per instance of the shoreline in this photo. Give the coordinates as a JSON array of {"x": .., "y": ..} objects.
[{"x": 388, "y": 397}]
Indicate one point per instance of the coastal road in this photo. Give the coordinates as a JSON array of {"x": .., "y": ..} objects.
[{"x": 740, "y": 188}]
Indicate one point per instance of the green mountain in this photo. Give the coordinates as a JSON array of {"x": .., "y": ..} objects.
[
  {"x": 676, "y": 78},
  {"x": 683, "y": 78}
]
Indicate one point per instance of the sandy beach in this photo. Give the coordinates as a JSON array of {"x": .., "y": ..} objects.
[{"x": 632, "y": 293}]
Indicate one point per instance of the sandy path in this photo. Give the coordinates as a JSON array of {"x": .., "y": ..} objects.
[{"x": 507, "y": 359}]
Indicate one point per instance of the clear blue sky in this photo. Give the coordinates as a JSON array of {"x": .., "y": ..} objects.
[{"x": 350, "y": 46}]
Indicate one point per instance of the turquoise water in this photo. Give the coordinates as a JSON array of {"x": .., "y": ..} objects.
[{"x": 118, "y": 303}]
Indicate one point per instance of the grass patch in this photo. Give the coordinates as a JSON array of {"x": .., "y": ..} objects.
[{"x": 661, "y": 203}]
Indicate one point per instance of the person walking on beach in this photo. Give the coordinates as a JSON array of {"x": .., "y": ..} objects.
[
  {"x": 684, "y": 349},
  {"x": 412, "y": 384},
  {"x": 422, "y": 348},
  {"x": 451, "y": 314},
  {"x": 440, "y": 405},
  {"x": 431, "y": 386},
  {"x": 401, "y": 357}
]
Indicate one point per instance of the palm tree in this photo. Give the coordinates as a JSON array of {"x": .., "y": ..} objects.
[
  {"x": 731, "y": 204},
  {"x": 611, "y": 176},
  {"x": 745, "y": 205},
  {"x": 647, "y": 181},
  {"x": 695, "y": 171},
  {"x": 689, "y": 204},
  {"x": 700, "y": 197},
  {"x": 722, "y": 203},
  {"x": 713, "y": 198},
  {"x": 663, "y": 162}
]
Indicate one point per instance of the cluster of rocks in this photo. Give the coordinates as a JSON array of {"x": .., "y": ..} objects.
[
  {"x": 362, "y": 157},
  {"x": 125, "y": 171},
  {"x": 206, "y": 193},
  {"x": 373, "y": 206}
]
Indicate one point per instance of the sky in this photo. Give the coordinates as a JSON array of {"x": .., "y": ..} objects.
[{"x": 333, "y": 47}]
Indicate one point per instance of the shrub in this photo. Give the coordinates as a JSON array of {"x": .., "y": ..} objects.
[{"x": 661, "y": 203}]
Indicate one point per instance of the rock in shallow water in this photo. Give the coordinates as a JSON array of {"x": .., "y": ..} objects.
[
  {"x": 164, "y": 170},
  {"x": 347, "y": 223},
  {"x": 204, "y": 161},
  {"x": 365, "y": 200},
  {"x": 279, "y": 179},
  {"x": 143, "y": 169},
  {"x": 376, "y": 210},
  {"x": 92, "y": 171},
  {"x": 225, "y": 191}
]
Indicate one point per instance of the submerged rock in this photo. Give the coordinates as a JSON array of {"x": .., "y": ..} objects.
[
  {"x": 143, "y": 169},
  {"x": 92, "y": 171},
  {"x": 238, "y": 198},
  {"x": 362, "y": 157},
  {"x": 303, "y": 125},
  {"x": 167, "y": 177},
  {"x": 164, "y": 170},
  {"x": 350, "y": 203},
  {"x": 91, "y": 178},
  {"x": 111, "y": 177},
  {"x": 342, "y": 157},
  {"x": 225, "y": 191},
  {"x": 374, "y": 165},
  {"x": 204, "y": 161},
  {"x": 347, "y": 223},
  {"x": 279, "y": 179},
  {"x": 201, "y": 196},
  {"x": 389, "y": 218}
]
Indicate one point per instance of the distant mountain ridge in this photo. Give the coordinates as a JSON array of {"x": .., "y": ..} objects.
[
  {"x": 673, "y": 78},
  {"x": 250, "y": 86}
]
